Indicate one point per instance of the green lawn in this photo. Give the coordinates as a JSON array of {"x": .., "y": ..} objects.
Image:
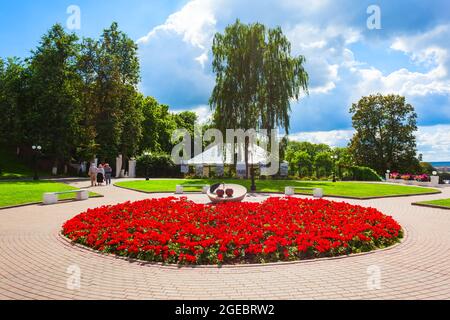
[
  {"x": 344, "y": 189},
  {"x": 440, "y": 202},
  {"x": 24, "y": 192}
]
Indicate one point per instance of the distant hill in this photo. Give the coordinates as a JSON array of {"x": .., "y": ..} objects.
[{"x": 441, "y": 166}]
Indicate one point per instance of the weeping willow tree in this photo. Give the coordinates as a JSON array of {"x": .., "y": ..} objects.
[{"x": 256, "y": 78}]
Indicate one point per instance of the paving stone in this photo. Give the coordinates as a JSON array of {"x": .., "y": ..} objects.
[{"x": 34, "y": 261}]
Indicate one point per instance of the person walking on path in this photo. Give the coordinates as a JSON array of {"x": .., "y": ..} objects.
[
  {"x": 93, "y": 174},
  {"x": 100, "y": 175},
  {"x": 108, "y": 173}
]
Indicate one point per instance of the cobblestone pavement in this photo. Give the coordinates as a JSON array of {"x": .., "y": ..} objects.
[{"x": 37, "y": 263}]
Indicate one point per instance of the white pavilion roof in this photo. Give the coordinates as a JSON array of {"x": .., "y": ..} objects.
[{"x": 217, "y": 155}]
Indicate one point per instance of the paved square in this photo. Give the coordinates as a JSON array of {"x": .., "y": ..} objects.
[{"x": 37, "y": 263}]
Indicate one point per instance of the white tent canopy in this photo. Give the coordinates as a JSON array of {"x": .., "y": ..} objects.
[{"x": 216, "y": 155}]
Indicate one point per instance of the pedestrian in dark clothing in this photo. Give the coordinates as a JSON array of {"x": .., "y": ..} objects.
[{"x": 108, "y": 173}]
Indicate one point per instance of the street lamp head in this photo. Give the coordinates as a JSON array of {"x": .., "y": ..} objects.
[
  {"x": 434, "y": 173},
  {"x": 388, "y": 171},
  {"x": 33, "y": 147},
  {"x": 39, "y": 147}
]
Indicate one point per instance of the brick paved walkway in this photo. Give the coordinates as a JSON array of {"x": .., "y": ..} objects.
[{"x": 34, "y": 261}]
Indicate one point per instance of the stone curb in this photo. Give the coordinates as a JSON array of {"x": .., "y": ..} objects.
[
  {"x": 228, "y": 266},
  {"x": 41, "y": 204},
  {"x": 435, "y": 206}
]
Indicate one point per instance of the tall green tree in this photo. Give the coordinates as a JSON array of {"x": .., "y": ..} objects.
[
  {"x": 344, "y": 160},
  {"x": 110, "y": 70},
  {"x": 186, "y": 120},
  {"x": 12, "y": 88},
  {"x": 88, "y": 147},
  {"x": 323, "y": 164},
  {"x": 303, "y": 161},
  {"x": 132, "y": 125},
  {"x": 256, "y": 78},
  {"x": 384, "y": 138},
  {"x": 53, "y": 112},
  {"x": 158, "y": 125}
]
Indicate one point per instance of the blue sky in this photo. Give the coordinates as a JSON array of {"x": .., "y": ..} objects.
[{"x": 409, "y": 55}]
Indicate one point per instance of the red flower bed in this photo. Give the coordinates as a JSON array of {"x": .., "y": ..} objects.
[{"x": 179, "y": 231}]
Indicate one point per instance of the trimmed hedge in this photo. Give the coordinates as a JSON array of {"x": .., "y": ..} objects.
[
  {"x": 158, "y": 165},
  {"x": 357, "y": 173}
]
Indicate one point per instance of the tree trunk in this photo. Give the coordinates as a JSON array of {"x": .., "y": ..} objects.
[{"x": 246, "y": 158}]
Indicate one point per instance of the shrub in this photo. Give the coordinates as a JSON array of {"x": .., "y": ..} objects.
[
  {"x": 358, "y": 173},
  {"x": 157, "y": 164},
  {"x": 426, "y": 167},
  {"x": 407, "y": 177},
  {"x": 422, "y": 177},
  {"x": 395, "y": 175}
]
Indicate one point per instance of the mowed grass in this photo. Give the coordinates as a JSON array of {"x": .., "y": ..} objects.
[
  {"x": 440, "y": 202},
  {"x": 25, "y": 192},
  {"x": 338, "y": 189}
]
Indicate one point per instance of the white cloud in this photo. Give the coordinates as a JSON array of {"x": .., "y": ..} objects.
[
  {"x": 195, "y": 22},
  {"x": 430, "y": 50},
  {"x": 202, "y": 59},
  {"x": 434, "y": 142},
  {"x": 325, "y": 51},
  {"x": 402, "y": 81},
  {"x": 307, "y": 6},
  {"x": 334, "y": 138},
  {"x": 174, "y": 56},
  {"x": 203, "y": 113},
  {"x": 176, "y": 59}
]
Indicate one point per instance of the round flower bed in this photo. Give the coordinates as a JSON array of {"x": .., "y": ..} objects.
[{"x": 173, "y": 230}]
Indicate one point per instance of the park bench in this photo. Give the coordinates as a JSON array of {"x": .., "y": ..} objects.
[
  {"x": 317, "y": 192},
  {"x": 180, "y": 188},
  {"x": 52, "y": 197}
]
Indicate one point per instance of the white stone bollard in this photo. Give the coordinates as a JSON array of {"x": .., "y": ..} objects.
[
  {"x": 388, "y": 177},
  {"x": 289, "y": 191},
  {"x": 434, "y": 181},
  {"x": 318, "y": 193},
  {"x": 179, "y": 189},
  {"x": 132, "y": 168},
  {"x": 50, "y": 198},
  {"x": 118, "y": 165},
  {"x": 82, "y": 195}
]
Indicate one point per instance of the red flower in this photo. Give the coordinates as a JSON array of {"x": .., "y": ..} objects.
[{"x": 175, "y": 230}]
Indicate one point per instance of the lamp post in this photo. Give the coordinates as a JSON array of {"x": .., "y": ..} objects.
[
  {"x": 146, "y": 154},
  {"x": 334, "y": 157},
  {"x": 36, "y": 150}
]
